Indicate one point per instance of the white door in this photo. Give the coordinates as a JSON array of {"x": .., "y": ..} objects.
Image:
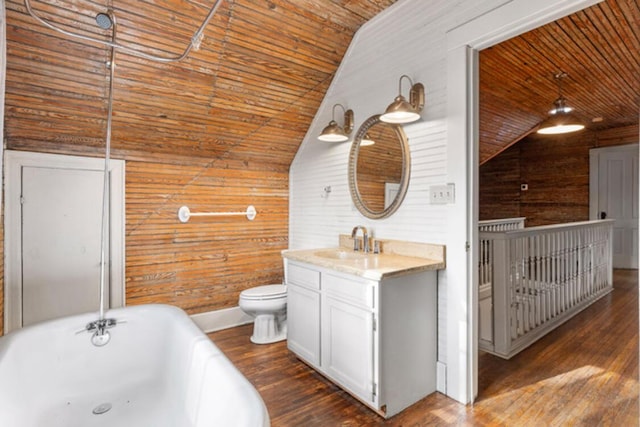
[
  {"x": 614, "y": 195},
  {"x": 53, "y": 209},
  {"x": 61, "y": 220}
]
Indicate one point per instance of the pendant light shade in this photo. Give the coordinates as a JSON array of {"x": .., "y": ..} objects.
[
  {"x": 333, "y": 132},
  {"x": 560, "y": 123},
  {"x": 402, "y": 111},
  {"x": 561, "y": 118}
]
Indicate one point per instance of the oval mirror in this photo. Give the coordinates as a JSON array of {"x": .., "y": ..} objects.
[{"x": 379, "y": 168}]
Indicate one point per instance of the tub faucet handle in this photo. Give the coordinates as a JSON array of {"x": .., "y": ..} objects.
[
  {"x": 99, "y": 328},
  {"x": 100, "y": 324}
]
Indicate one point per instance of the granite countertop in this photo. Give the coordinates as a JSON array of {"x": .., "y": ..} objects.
[{"x": 397, "y": 258}]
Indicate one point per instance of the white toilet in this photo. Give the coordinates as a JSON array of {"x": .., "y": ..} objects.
[{"x": 268, "y": 304}]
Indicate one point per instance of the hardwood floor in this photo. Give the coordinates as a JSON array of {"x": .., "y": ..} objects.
[{"x": 584, "y": 373}]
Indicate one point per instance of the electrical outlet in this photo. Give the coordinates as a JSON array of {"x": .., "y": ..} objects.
[{"x": 442, "y": 194}]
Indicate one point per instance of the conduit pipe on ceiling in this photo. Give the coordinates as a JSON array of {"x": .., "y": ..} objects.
[{"x": 195, "y": 40}]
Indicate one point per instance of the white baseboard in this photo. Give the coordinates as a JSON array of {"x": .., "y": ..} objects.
[
  {"x": 221, "y": 319},
  {"x": 441, "y": 377}
]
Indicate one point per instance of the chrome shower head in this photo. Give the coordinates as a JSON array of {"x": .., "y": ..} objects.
[{"x": 104, "y": 20}]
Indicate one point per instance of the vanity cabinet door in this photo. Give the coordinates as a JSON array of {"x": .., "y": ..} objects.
[
  {"x": 303, "y": 323},
  {"x": 348, "y": 347}
]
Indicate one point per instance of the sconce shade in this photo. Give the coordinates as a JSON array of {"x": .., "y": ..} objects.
[
  {"x": 402, "y": 111},
  {"x": 561, "y": 118},
  {"x": 334, "y": 132}
]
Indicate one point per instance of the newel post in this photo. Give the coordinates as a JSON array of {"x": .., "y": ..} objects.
[{"x": 501, "y": 300}]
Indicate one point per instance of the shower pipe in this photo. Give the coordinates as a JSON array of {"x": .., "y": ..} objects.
[
  {"x": 195, "y": 40},
  {"x": 99, "y": 327},
  {"x": 107, "y": 156},
  {"x": 105, "y": 21}
]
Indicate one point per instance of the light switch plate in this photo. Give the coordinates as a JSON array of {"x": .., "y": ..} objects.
[{"x": 442, "y": 194}]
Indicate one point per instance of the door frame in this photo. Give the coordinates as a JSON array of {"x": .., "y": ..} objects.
[
  {"x": 594, "y": 173},
  {"x": 594, "y": 176},
  {"x": 508, "y": 19},
  {"x": 14, "y": 161}
]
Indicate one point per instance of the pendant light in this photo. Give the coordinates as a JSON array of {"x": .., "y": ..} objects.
[
  {"x": 334, "y": 132},
  {"x": 400, "y": 111},
  {"x": 561, "y": 118}
]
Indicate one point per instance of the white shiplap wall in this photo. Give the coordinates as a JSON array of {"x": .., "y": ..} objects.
[
  {"x": 409, "y": 38},
  {"x": 412, "y": 37}
]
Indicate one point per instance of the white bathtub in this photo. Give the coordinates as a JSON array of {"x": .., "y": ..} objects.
[{"x": 157, "y": 370}]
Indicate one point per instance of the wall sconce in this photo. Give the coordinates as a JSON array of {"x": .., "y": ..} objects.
[
  {"x": 561, "y": 119},
  {"x": 400, "y": 111},
  {"x": 333, "y": 132}
]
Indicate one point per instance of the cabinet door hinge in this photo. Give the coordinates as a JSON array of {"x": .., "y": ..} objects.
[
  {"x": 374, "y": 324},
  {"x": 374, "y": 390}
]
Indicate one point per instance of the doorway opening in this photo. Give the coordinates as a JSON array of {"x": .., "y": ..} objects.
[{"x": 546, "y": 179}]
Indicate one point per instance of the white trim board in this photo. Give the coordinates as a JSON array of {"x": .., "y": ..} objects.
[{"x": 217, "y": 320}]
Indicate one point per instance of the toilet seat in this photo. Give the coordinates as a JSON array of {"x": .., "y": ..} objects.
[{"x": 266, "y": 292}]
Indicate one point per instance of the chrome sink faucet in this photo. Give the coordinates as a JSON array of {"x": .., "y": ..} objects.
[{"x": 365, "y": 238}]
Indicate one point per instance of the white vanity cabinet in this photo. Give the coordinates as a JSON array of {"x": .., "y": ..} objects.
[
  {"x": 303, "y": 312},
  {"x": 349, "y": 334},
  {"x": 374, "y": 338}
]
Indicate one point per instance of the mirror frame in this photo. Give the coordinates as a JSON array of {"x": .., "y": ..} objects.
[{"x": 353, "y": 169}]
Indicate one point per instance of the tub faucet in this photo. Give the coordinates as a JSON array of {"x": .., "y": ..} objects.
[
  {"x": 99, "y": 328},
  {"x": 365, "y": 238}
]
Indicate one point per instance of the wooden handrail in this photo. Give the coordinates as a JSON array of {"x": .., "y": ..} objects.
[{"x": 541, "y": 229}]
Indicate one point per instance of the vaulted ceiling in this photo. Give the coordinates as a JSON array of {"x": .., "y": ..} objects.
[
  {"x": 251, "y": 90},
  {"x": 248, "y": 93},
  {"x": 598, "y": 48}
]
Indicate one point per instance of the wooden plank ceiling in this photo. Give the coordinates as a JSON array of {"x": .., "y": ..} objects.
[
  {"x": 251, "y": 90},
  {"x": 599, "y": 49},
  {"x": 248, "y": 93}
]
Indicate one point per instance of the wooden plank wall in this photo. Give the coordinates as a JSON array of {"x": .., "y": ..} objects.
[
  {"x": 500, "y": 185},
  {"x": 555, "y": 168},
  {"x": 216, "y": 131},
  {"x": 202, "y": 265}
]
